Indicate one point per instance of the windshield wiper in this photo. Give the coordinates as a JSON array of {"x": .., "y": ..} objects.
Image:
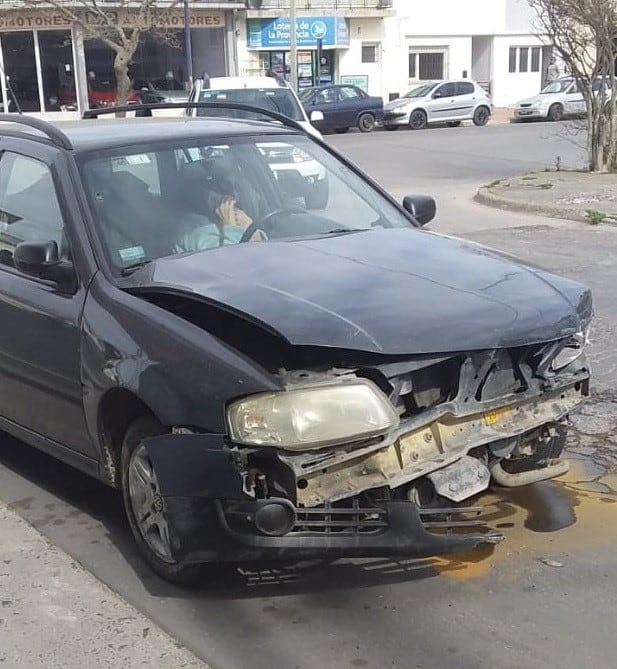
[
  {"x": 342, "y": 231},
  {"x": 129, "y": 269}
]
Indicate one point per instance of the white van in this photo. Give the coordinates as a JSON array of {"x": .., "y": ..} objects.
[{"x": 273, "y": 94}]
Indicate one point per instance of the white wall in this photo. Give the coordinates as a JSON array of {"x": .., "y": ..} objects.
[
  {"x": 452, "y": 17},
  {"x": 350, "y": 62},
  {"x": 508, "y": 87}
]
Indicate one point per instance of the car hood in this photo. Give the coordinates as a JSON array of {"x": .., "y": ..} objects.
[
  {"x": 391, "y": 291},
  {"x": 540, "y": 99}
]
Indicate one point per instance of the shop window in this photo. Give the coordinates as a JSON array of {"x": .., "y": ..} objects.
[
  {"x": 20, "y": 71},
  {"x": 427, "y": 64},
  {"x": 57, "y": 69},
  {"x": 370, "y": 53}
]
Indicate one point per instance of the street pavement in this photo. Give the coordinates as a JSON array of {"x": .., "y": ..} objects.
[{"x": 545, "y": 598}]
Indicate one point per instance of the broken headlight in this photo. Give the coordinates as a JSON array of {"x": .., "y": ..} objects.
[
  {"x": 312, "y": 417},
  {"x": 572, "y": 349}
]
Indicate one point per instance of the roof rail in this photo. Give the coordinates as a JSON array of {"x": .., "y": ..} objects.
[
  {"x": 52, "y": 133},
  {"x": 105, "y": 111}
]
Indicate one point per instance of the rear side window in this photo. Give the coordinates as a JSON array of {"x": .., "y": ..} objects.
[
  {"x": 279, "y": 100},
  {"x": 464, "y": 88},
  {"x": 29, "y": 207}
]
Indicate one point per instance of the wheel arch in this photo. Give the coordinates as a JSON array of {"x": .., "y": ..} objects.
[{"x": 117, "y": 409}]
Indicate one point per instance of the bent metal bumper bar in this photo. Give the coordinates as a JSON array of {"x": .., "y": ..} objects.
[{"x": 211, "y": 518}]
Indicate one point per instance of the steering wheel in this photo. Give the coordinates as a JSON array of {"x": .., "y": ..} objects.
[{"x": 266, "y": 220}]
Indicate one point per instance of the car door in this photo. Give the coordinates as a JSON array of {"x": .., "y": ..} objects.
[
  {"x": 352, "y": 102},
  {"x": 325, "y": 100},
  {"x": 40, "y": 364},
  {"x": 574, "y": 103},
  {"x": 465, "y": 100},
  {"x": 440, "y": 106}
]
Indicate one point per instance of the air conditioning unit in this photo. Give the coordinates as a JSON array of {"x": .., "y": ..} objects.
[
  {"x": 254, "y": 4},
  {"x": 384, "y": 4}
]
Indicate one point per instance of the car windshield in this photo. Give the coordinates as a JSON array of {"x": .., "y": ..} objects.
[
  {"x": 280, "y": 100},
  {"x": 420, "y": 91},
  {"x": 173, "y": 198},
  {"x": 167, "y": 85},
  {"x": 559, "y": 86}
]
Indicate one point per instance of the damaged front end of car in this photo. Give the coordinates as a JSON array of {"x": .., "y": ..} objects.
[{"x": 371, "y": 459}]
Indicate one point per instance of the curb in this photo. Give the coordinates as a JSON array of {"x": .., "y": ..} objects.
[{"x": 490, "y": 199}]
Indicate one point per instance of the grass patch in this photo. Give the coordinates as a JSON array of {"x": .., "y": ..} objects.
[
  {"x": 529, "y": 177},
  {"x": 595, "y": 217}
]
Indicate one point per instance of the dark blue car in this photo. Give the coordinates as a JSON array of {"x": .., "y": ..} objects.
[{"x": 342, "y": 107}]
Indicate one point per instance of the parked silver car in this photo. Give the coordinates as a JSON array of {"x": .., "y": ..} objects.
[
  {"x": 446, "y": 101},
  {"x": 559, "y": 99}
]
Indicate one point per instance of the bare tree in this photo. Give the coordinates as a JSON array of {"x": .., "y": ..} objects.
[
  {"x": 584, "y": 34},
  {"x": 118, "y": 25}
]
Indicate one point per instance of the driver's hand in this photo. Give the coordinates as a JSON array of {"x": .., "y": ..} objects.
[{"x": 229, "y": 212}]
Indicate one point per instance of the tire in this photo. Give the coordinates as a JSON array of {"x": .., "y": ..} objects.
[
  {"x": 453, "y": 124},
  {"x": 555, "y": 112},
  {"x": 418, "y": 119},
  {"x": 152, "y": 547},
  {"x": 318, "y": 196},
  {"x": 481, "y": 116},
  {"x": 341, "y": 131},
  {"x": 366, "y": 122}
]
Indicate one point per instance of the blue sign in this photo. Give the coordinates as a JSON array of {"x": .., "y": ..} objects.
[{"x": 275, "y": 33}]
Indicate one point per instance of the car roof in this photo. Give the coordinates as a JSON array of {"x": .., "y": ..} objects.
[
  {"x": 99, "y": 134},
  {"x": 233, "y": 83}
]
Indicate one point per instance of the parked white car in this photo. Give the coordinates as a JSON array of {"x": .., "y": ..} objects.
[
  {"x": 449, "y": 101},
  {"x": 559, "y": 99},
  {"x": 274, "y": 94}
]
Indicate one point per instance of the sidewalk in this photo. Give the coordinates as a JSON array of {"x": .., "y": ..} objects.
[
  {"x": 578, "y": 196},
  {"x": 501, "y": 115},
  {"x": 55, "y": 615}
]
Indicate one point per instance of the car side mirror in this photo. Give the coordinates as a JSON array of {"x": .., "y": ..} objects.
[
  {"x": 316, "y": 116},
  {"x": 42, "y": 260},
  {"x": 436, "y": 95},
  {"x": 422, "y": 207}
]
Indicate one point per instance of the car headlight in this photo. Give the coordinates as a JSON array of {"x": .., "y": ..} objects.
[
  {"x": 312, "y": 417},
  {"x": 572, "y": 350}
]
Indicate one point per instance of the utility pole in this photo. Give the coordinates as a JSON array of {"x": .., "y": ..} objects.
[
  {"x": 188, "y": 52},
  {"x": 293, "y": 47}
]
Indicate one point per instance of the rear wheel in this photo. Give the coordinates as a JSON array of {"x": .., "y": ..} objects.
[
  {"x": 418, "y": 119},
  {"x": 481, "y": 116},
  {"x": 453, "y": 124},
  {"x": 341, "y": 131},
  {"x": 145, "y": 507},
  {"x": 366, "y": 122},
  {"x": 555, "y": 113}
]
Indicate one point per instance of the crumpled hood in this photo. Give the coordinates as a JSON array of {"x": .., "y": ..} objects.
[
  {"x": 392, "y": 291},
  {"x": 401, "y": 102}
]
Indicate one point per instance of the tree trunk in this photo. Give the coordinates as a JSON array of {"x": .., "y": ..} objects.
[{"x": 123, "y": 83}]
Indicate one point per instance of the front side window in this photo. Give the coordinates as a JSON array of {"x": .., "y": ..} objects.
[
  {"x": 202, "y": 196},
  {"x": 29, "y": 208},
  {"x": 446, "y": 91}
]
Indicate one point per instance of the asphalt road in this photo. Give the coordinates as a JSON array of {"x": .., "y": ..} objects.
[{"x": 547, "y": 597}]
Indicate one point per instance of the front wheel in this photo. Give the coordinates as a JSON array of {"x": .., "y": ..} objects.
[
  {"x": 366, "y": 122},
  {"x": 555, "y": 113},
  {"x": 418, "y": 119},
  {"x": 145, "y": 507},
  {"x": 481, "y": 116}
]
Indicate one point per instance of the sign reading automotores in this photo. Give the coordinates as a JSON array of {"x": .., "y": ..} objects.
[
  {"x": 276, "y": 33},
  {"x": 48, "y": 19}
]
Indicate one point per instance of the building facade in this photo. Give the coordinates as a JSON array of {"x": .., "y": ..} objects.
[{"x": 384, "y": 46}]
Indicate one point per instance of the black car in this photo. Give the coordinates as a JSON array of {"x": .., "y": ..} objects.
[
  {"x": 263, "y": 381},
  {"x": 342, "y": 107}
]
